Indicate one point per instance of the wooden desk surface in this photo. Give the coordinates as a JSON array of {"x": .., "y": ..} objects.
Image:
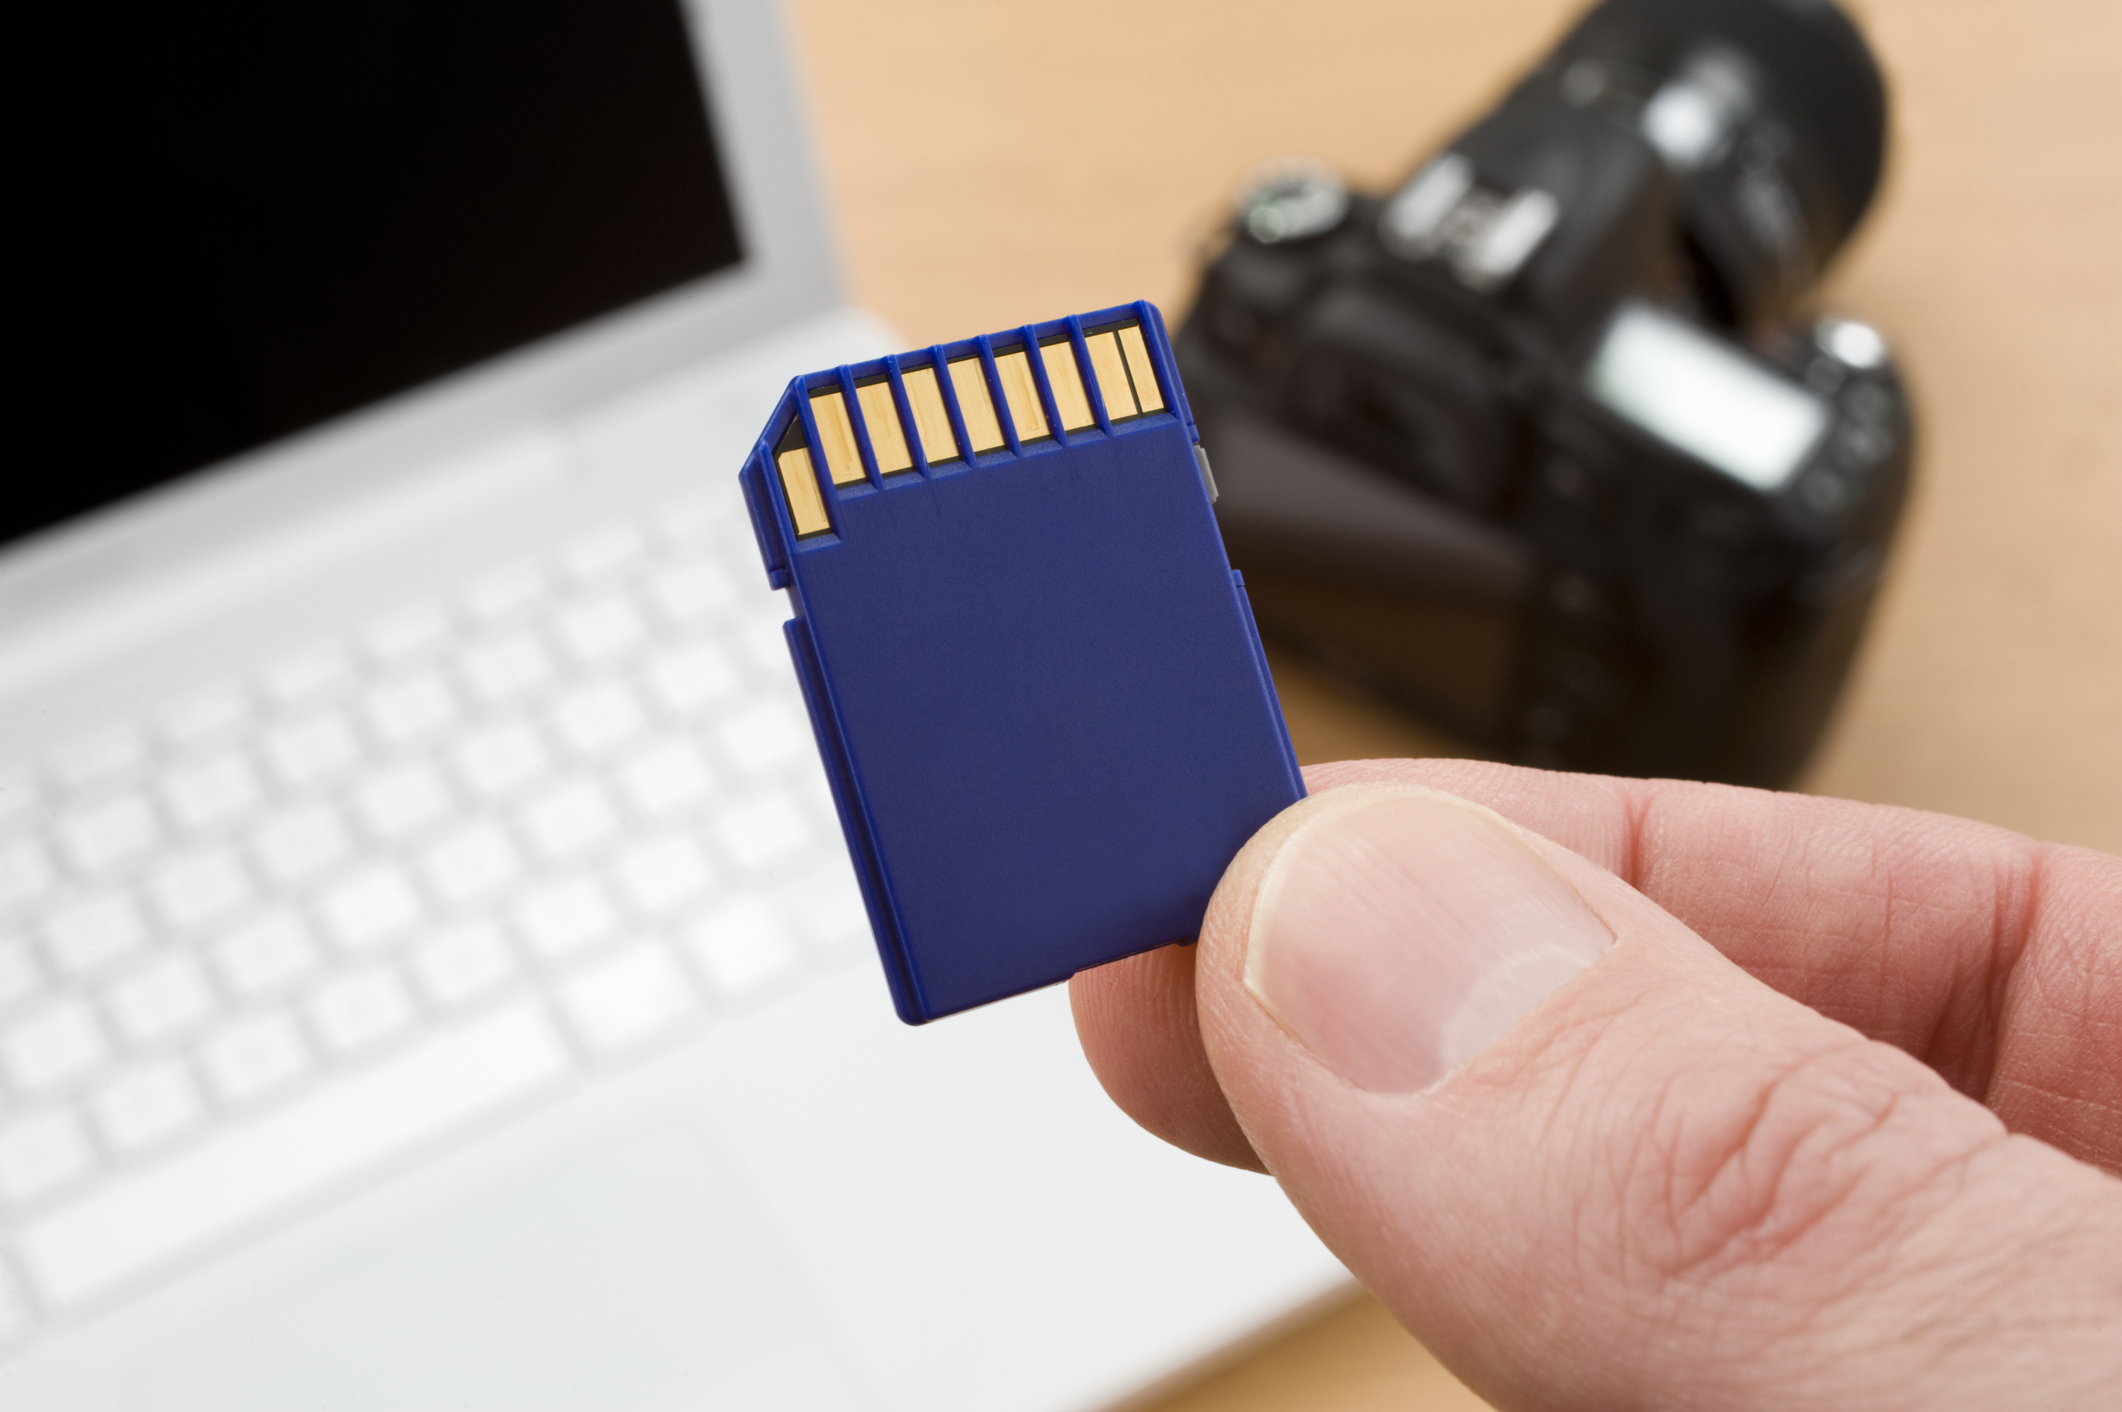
[{"x": 993, "y": 163}]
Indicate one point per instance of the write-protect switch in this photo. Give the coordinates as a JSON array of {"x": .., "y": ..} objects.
[{"x": 1033, "y": 675}]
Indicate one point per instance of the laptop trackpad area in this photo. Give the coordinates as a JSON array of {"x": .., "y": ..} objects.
[{"x": 631, "y": 1279}]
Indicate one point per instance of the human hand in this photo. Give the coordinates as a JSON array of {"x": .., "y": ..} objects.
[{"x": 1688, "y": 1097}]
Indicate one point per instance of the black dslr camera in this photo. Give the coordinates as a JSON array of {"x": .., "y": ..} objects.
[{"x": 1538, "y": 443}]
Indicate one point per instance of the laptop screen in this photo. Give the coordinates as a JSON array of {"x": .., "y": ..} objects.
[{"x": 250, "y": 217}]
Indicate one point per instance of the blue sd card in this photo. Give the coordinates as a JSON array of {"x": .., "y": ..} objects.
[{"x": 1033, "y": 675}]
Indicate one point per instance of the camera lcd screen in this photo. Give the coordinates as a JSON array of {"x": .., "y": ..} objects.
[{"x": 1706, "y": 398}]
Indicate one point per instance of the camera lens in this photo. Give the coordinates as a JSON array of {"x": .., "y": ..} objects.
[{"x": 1771, "y": 114}]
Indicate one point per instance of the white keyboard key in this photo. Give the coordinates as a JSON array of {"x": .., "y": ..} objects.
[
  {"x": 87, "y": 936},
  {"x": 370, "y": 909},
  {"x": 759, "y": 646},
  {"x": 305, "y": 675},
  {"x": 570, "y": 820},
  {"x": 213, "y": 793},
  {"x": 353, "y": 1012},
  {"x": 20, "y": 978},
  {"x": 207, "y": 717},
  {"x": 406, "y": 635},
  {"x": 627, "y": 1000},
  {"x": 564, "y": 918},
  {"x": 602, "y": 551},
  {"x": 471, "y": 863},
  {"x": 663, "y": 874},
  {"x": 83, "y": 1252},
  {"x": 501, "y": 671},
  {"x": 256, "y": 1058},
  {"x": 601, "y": 631},
  {"x": 831, "y": 910},
  {"x": 692, "y": 518},
  {"x": 401, "y": 802},
  {"x": 40, "y": 1154},
  {"x": 295, "y": 847},
  {"x": 107, "y": 834},
  {"x": 55, "y": 1046},
  {"x": 19, "y": 797},
  {"x": 193, "y": 890},
  {"x": 265, "y": 955},
  {"x": 25, "y": 873},
  {"x": 595, "y": 719},
  {"x": 767, "y": 739},
  {"x": 759, "y": 834},
  {"x": 810, "y": 790},
  {"x": 99, "y": 759},
  {"x": 312, "y": 751},
  {"x": 504, "y": 593},
  {"x": 15, "y": 1313},
  {"x": 668, "y": 779},
  {"x": 744, "y": 949},
  {"x": 167, "y": 996},
  {"x": 463, "y": 964},
  {"x": 689, "y": 593},
  {"x": 412, "y": 709},
  {"x": 146, "y": 1106},
  {"x": 692, "y": 677},
  {"x": 501, "y": 759}
]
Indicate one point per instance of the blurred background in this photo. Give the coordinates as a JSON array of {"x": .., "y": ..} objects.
[{"x": 992, "y": 164}]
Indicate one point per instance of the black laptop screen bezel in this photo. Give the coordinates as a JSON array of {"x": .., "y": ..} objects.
[{"x": 252, "y": 220}]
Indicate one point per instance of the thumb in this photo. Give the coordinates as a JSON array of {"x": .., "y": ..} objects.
[{"x": 1592, "y": 1163}]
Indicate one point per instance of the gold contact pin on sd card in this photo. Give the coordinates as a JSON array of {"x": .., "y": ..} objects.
[
  {"x": 799, "y": 482},
  {"x": 981, "y": 427},
  {"x": 887, "y": 442},
  {"x": 836, "y": 435},
  {"x": 1070, "y": 400},
  {"x": 931, "y": 420},
  {"x": 1110, "y": 370},
  {"x": 1140, "y": 373},
  {"x": 1014, "y": 371}
]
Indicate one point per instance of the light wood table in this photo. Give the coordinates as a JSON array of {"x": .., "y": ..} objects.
[{"x": 994, "y": 163}]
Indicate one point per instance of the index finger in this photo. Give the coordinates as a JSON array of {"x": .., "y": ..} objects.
[{"x": 1993, "y": 958}]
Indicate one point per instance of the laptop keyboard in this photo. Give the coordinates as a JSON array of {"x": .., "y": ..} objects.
[{"x": 303, "y": 923}]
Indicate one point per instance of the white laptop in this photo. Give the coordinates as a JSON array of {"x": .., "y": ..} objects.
[{"x": 430, "y": 975}]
